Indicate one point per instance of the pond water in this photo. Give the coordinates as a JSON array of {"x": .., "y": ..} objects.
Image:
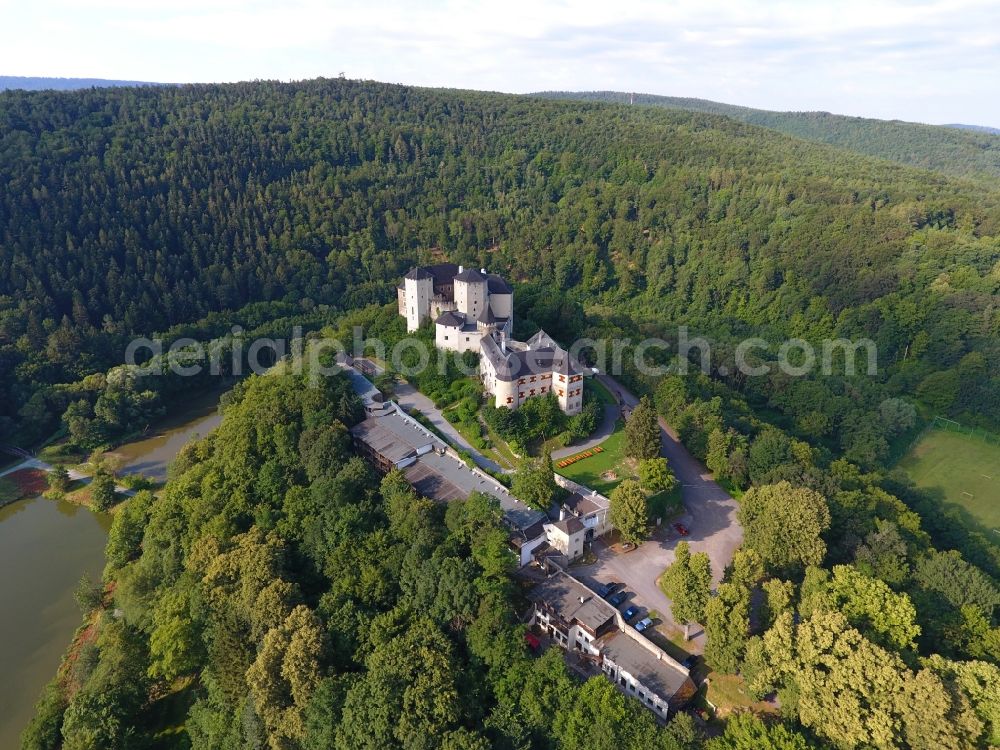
[
  {"x": 151, "y": 454},
  {"x": 45, "y": 548}
]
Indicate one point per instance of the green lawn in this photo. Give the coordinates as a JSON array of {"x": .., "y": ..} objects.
[
  {"x": 588, "y": 471},
  {"x": 964, "y": 470},
  {"x": 595, "y": 385}
]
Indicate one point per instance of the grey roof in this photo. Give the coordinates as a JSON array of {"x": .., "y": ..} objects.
[
  {"x": 362, "y": 386},
  {"x": 430, "y": 484},
  {"x": 451, "y": 319},
  {"x": 583, "y": 504},
  {"x": 487, "y": 316},
  {"x": 569, "y": 526},
  {"x": 393, "y": 435},
  {"x": 419, "y": 273},
  {"x": 455, "y": 472},
  {"x": 528, "y": 533},
  {"x": 496, "y": 284},
  {"x": 541, "y": 339},
  {"x": 563, "y": 594},
  {"x": 516, "y": 364},
  {"x": 443, "y": 273},
  {"x": 663, "y": 676},
  {"x": 471, "y": 275}
]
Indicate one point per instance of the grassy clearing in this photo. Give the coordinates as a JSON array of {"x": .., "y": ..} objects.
[
  {"x": 960, "y": 469},
  {"x": 597, "y": 388},
  {"x": 728, "y": 693},
  {"x": 590, "y": 471},
  {"x": 500, "y": 446},
  {"x": 480, "y": 438}
]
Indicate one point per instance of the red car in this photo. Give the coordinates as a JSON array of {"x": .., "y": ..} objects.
[{"x": 681, "y": 529}]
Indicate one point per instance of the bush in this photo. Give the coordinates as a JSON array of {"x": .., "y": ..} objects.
[
  {"x": 45, "y": 730},
  {"x": 89, "y": 594},
  {"x": 102, "y": 490}
]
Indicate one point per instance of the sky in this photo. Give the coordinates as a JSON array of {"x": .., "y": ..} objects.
[{"x": 935, "y": 61}]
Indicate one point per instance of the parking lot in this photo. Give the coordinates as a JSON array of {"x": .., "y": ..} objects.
[{"x": 639, "y": 569}]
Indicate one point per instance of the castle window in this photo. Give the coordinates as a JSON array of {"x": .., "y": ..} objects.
[{"x": 510, "y": 399}]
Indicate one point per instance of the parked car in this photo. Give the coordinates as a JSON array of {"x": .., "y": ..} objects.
[
  {"x": 644, "y": 623},
  {"x": 605, "y": 589},
  {"x": 631, "y": 612},
  {"x": 616, "y": 600},
  {"x": 681, "y": 529}
]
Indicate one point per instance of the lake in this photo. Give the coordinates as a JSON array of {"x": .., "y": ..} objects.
[{"x": 45, "y": 548}]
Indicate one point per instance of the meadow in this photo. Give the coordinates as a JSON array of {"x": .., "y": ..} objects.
[{"x": 962, "y": 469}]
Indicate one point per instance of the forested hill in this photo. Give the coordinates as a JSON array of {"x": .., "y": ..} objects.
[
  {"x": 977, "y": 128},
  {"x": 33, "y": 83},
  {"x": 127, "y": 211},
  {"x": 959, "y": 150}
]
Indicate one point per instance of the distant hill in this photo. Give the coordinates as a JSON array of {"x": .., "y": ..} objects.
[
  {"x": 63, "y": 84},
  {"x": 959, "y": 150},
  {"x": 975, "y": 128}
]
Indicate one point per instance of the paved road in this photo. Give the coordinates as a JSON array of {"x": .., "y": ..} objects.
[
  {"x": 602, "y": 433},
  {"x": 31, "y": 463},
  {"x": 410, "y": 398},
  {"x": 74, "y": 474}
]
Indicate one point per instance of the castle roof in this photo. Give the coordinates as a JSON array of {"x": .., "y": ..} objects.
[
  {"x": 417, "y": 273},
  {"x": 470, "y": 275},
  {"x": 450, "y": 319},
  {"x": 496, "y": 284},
  {"x": 513, "y": 364},
  {"x": 443, "y": 273},
  {"x": 487, "y": 316},
  {"x": 541, "y": 339}
]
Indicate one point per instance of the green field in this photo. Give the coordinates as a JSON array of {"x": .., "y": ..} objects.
[
  {"x": 612, "y": 459},
  {"x": 964, "y": 470}
]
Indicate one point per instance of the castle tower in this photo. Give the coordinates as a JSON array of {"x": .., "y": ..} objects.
[
  {"x": 471, "y": 295},
  {"x": 418, "y": 287}
]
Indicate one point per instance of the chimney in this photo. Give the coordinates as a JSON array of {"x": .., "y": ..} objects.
[
  {"x": 482, "y": 271},
  {"x": 583, "y": 599},
  {"x": 461, "y": 268}
]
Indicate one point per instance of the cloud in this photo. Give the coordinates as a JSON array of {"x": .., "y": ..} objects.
[{"x": 933, "y": 60}]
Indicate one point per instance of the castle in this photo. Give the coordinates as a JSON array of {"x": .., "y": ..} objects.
[{"x": 473, "y": 311}]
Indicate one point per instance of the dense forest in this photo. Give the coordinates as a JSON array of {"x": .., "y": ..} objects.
[
  {"x": 128, "y": 211},
  {"x": 277, "y": 593},
  {"x": 959, "y": 150}
]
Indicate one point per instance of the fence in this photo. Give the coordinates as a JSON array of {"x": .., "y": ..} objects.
[{"x": 942, "y": 423}]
